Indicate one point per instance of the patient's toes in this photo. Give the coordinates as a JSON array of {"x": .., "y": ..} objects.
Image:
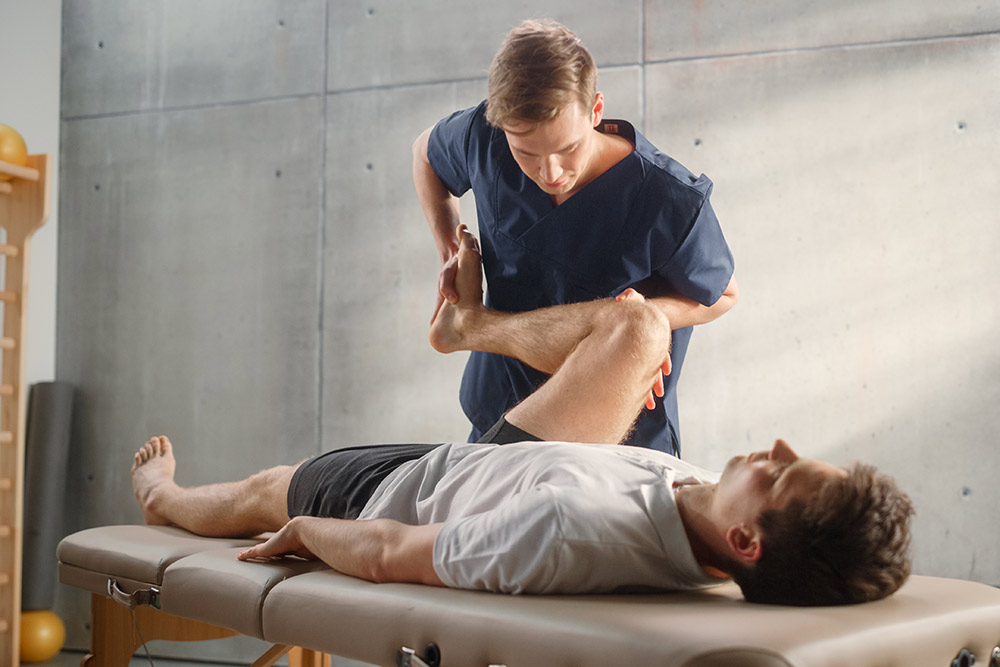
[{"x": 155, "y": 447}]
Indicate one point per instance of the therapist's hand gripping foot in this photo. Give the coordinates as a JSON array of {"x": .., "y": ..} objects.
[{"x": 458, "y": 314}]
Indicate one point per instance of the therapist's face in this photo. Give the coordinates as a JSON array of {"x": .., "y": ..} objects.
[{"x": 558, "y": 155}]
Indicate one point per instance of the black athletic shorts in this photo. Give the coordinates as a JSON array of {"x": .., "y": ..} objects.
[
  {"x": 339, "y": 483},
  {"x": 504, "y": 433}
]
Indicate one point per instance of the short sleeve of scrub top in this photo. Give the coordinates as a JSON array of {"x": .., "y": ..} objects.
[
  {"x": 702, "y": 265},
  {"x": 448, "y": 151}
]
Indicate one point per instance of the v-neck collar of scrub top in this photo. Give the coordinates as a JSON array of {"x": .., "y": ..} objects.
[{"x": 584, "y": 226}]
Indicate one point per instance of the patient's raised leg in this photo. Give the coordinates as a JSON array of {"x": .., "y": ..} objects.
[
  {"x": 248, "y": 507},
  {"x": 540, "y": 338},
  {"x": 605, "y": 354}
]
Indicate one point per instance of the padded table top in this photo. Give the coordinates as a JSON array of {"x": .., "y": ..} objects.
[{"x": 927, "y": 622}]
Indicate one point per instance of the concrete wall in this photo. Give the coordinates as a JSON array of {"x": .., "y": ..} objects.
[{"x": 243, "y": 264}]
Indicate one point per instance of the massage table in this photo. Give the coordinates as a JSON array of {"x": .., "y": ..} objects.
[{"x": 169, "y": 584}]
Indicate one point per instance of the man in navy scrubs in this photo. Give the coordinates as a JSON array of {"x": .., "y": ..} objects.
[{"x": 572, "y": 207}]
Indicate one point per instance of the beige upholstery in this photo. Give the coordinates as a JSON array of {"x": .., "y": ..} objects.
[
  {"x": 215, "y": 587},
  {"x": 925, "y": 623},
  {"x": 292, "y": 602},
  {"x": 137, "y": 556}
]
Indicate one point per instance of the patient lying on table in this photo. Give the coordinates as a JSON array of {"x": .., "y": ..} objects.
[{"x": 540, "y": 508}]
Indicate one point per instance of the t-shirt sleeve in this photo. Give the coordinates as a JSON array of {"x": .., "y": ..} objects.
[
  {"x": 702, "y": 265},
  {"x": 513, "y": 548},
  {"x": 448, "y": 150}
]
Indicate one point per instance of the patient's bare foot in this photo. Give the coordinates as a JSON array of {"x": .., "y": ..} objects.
[
  {"x": 152, "y": 475},
  {"x": 448, "y": 328}
]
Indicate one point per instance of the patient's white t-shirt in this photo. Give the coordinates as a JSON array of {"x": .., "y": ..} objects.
[{"x": 548, "y": 517}]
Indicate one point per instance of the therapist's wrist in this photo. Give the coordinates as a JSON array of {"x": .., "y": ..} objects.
[{"x": 448, "y": 250}]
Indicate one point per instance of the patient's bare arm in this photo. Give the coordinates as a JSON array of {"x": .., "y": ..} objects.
[{"x": 379, "y": 550}]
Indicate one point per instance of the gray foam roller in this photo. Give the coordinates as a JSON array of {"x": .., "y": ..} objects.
[{"x": 49, "y": 419}]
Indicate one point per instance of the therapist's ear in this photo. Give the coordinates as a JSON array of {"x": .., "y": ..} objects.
[{"x": 597, "y": 113}]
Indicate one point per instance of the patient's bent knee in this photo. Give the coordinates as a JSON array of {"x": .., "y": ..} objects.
[{"x": 644, "y": 329}]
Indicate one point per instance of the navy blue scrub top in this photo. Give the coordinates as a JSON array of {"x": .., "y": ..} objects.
[{"x": 645, "y": 216}]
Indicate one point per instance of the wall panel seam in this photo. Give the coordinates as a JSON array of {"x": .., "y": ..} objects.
[
  {"x": 321, "y": 254},
  {"x": 826, "y": 47},
  {"x": 192, "y": 107}
]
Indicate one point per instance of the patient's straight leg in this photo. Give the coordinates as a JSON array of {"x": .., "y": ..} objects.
[{"x": 230, "y": 509}]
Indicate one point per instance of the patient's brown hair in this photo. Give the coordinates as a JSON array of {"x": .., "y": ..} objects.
[
  {"x": 540, "y": 69},
  {"x": 849, "y": 545}
]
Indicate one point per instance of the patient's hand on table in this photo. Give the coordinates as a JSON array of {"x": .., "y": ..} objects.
[{"x": 285, "y": 542}]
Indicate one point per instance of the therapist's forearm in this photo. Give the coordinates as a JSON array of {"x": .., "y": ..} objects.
[
  {"x": 683, "y": 312},
  {"x": 440, "y": 207}
]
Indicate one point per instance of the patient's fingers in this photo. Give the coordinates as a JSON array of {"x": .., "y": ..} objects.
[
  {"x": 261, "y": 552},
  {"x": 257, "y": 559}
]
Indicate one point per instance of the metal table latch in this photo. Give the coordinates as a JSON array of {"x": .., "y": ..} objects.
[
  {"x": 407, "y": 657},
  {"x": 146, "y": 597}
]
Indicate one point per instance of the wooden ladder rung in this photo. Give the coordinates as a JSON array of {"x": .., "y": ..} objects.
[
  {"x": 6, "y": 484},
  {"x": 7, "y": 343},
  {"x": 4, "y": 578},
  {"x": 6, "y": 390},
  {"x": 7, "y": 249},
  {"x": 6, "y": 436},
  {"x": 8, "y": 297},
  {"x": 27, "y": 173},
  {"x": 5, "y": 531}
]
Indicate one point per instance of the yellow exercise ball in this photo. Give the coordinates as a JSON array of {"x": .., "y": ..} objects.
[
  {"x": 42, "y": 635},
  {"x": 12, "y": 149}
]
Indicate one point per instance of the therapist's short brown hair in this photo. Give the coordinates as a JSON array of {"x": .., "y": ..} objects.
[{"x": 540, "y": 69}]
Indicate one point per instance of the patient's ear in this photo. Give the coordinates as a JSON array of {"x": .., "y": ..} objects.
[{"x": 744, "y": 544}]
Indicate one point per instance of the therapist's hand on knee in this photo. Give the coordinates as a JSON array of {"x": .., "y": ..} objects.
[{"x": 657, "y": 391}]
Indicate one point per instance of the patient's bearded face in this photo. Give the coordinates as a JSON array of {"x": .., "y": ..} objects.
[{"x": 769, "y": 480}]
